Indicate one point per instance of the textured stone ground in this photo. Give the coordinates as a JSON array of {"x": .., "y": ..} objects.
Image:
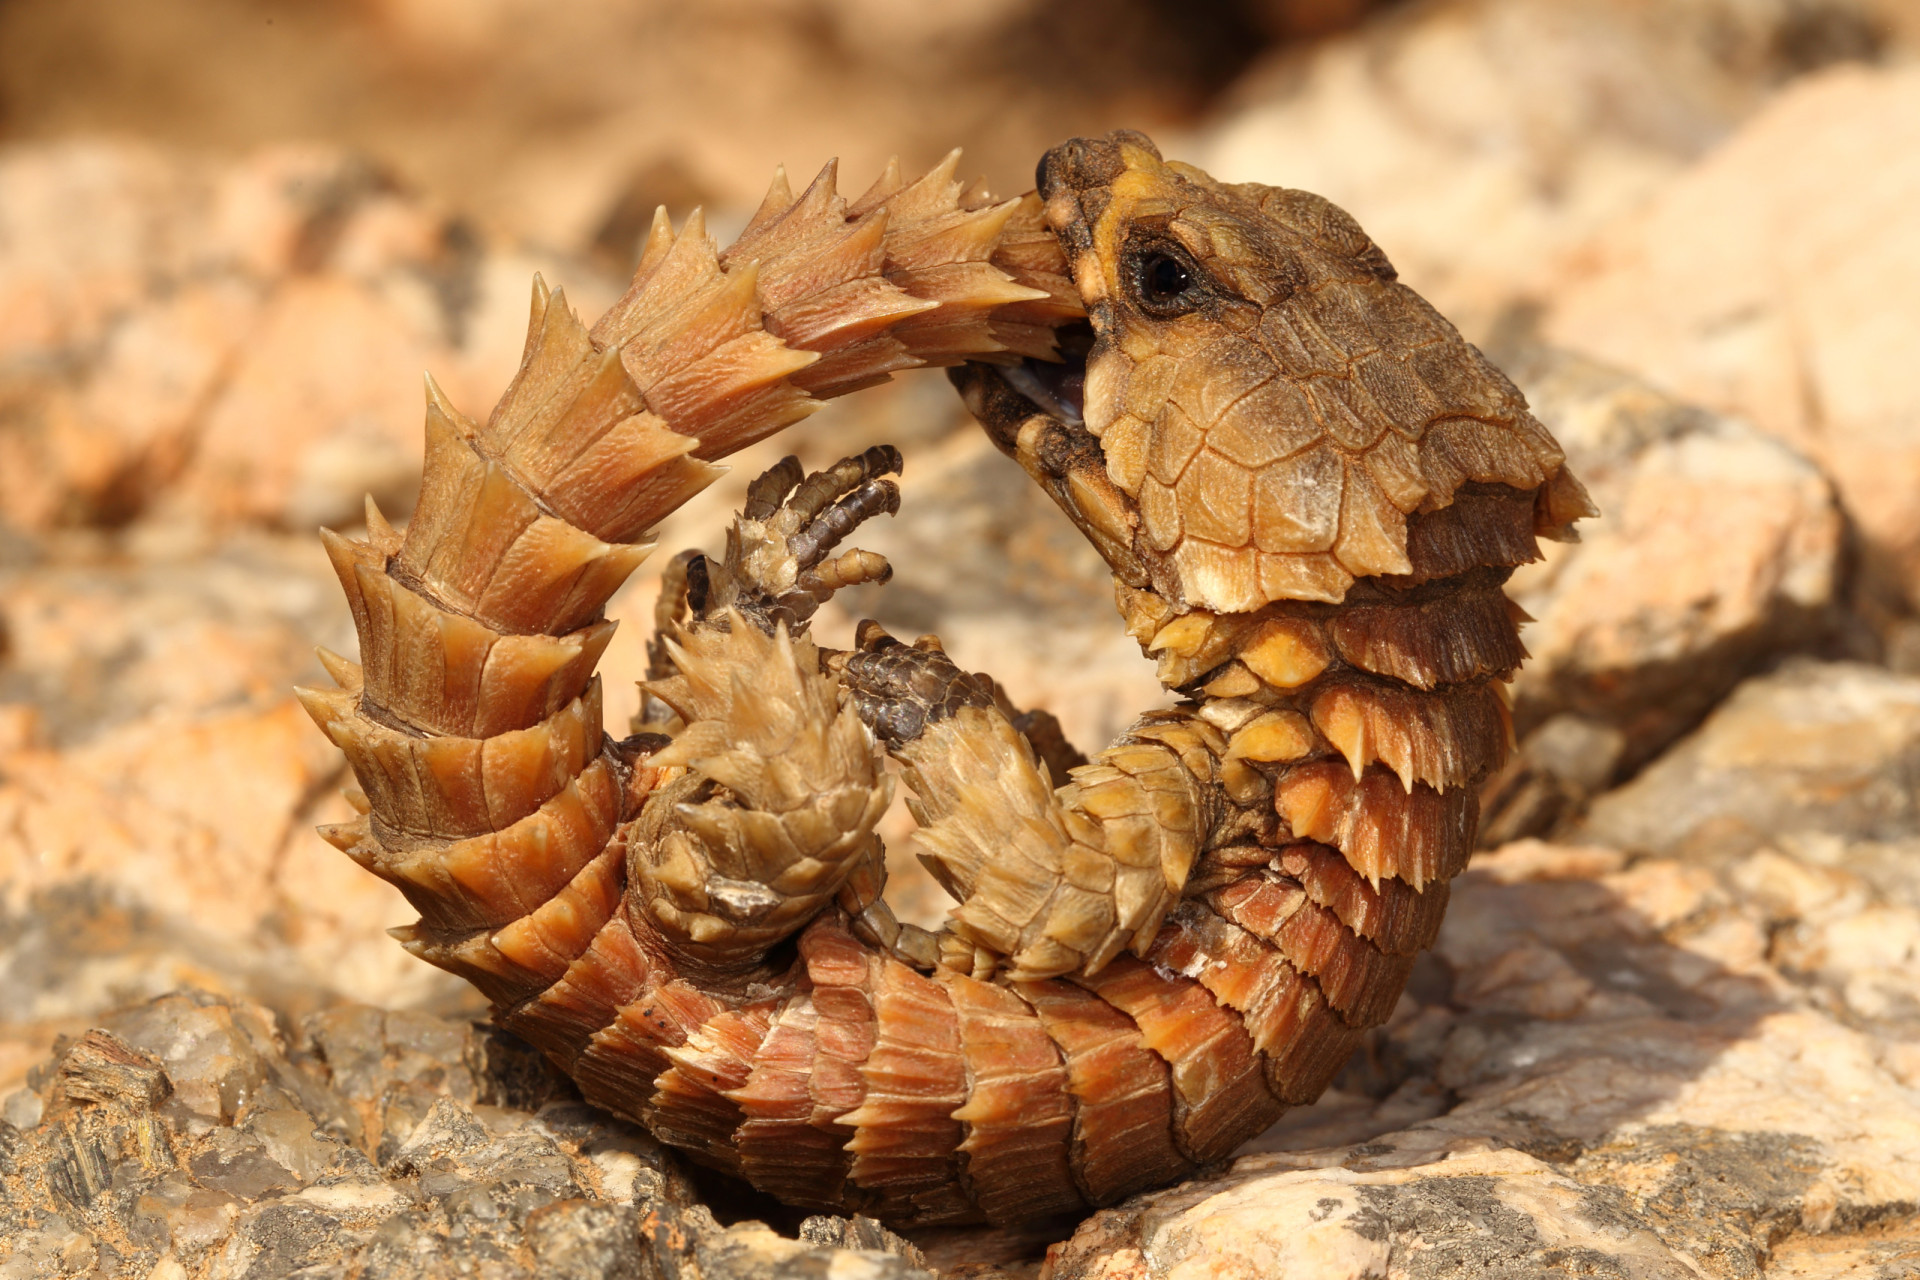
[{"x": 188, "y": 1136}]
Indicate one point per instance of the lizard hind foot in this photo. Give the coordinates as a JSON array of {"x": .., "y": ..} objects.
[{"x": 899, "y": 689}]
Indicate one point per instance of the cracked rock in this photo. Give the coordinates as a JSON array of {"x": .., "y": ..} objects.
[{"x": 188, "y": 1137}]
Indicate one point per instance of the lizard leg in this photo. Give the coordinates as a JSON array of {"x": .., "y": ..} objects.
[
  {"x": 1048, "y": 881},
  {"x": 772, "y": 813}
]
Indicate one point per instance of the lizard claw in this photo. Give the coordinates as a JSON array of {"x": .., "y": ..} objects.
[
  {"x": 777, "y": 565},
  {"x": 898, "y": 689}
]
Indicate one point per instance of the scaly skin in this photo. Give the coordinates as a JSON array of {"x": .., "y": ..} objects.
[{"x": 1310, "y": 491}]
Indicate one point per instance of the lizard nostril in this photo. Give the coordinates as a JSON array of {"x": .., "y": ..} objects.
[{"x": 1077, "y": 164}]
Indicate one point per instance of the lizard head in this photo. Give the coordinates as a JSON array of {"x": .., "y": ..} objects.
[{"x": 1257, "y": 410}]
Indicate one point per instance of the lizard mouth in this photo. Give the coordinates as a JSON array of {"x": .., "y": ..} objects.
[{"x": 1056, "y": 389}]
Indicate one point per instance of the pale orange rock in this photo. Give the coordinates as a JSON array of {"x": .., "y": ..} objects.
[
  {"x": 83, "y": 227},
  {"x": 209, "y": 821},
  {"x": 1717, "y": 547},
  {"x": 235, "y": 341},
  {"x": 1776, "y": 280},
  {"x": 320, "y": 403},
  {"x": 1813, "y": 750},
  {"x": 1480, "y": 141}
]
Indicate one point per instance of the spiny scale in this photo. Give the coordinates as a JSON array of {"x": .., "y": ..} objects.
[{"x": 1310, "y": 492}]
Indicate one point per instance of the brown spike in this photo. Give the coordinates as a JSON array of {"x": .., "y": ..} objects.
[
  {"x": 686, "y": 262},
  {"x": 1123, "y": 1117},
  {"x": 447, "y": 788},
  {"x": 345, "y": 835},
  {"x": 691, "y": 1108},
  {"x": 557, "y": 933},
  {"x": 492, "y": 879},
  {"x": 379, "y": 533},
  {"x": 904, "y": 1132},
  {"x": 1560, "y": 502},
  {"x": 536, "y": 314},
  {"x": 778, "y": 200},
  {"x": 1304, "y": 1040},
  {"x": 783, "y": 1152},
  {"x": 883, "y": 186},
  {"x": 1465, "y": 636},
  {"x": 1483, "y": 525},
  {"x": 1220, "y": 1094},
  {"x": 660, "y": 237},
  {"x": 1394, "y": 916},
  {"x": 341, "y": 671},
  {"x": 1382, "y": 829},
  {"x": 564, "y": 1019},
  {"x": 1445, "y": 740},
  {"x": 618, "y": 1067},
  {"x": 1018, "y": 1113}
]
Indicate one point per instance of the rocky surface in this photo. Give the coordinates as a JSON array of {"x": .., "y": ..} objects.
[
  {"x": 1718, "y": 548},
  {"x": 187, "y": 1137},
  {"x": 153, "y": 765},
  {"x": 1770, "y": 281},
  {"x": 1483, "y": 142},
  {"x": 1814, "y": 752},
  {"x": 225, "y": 342}
]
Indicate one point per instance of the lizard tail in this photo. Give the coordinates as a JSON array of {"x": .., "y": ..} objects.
[{"x": 488, "y": 792}]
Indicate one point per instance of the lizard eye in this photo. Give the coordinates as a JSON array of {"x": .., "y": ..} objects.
[{"x": 1165, "y": 285}]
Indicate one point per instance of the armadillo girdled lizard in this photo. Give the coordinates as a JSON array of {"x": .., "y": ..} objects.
[{"x": 1310, "y": 490}]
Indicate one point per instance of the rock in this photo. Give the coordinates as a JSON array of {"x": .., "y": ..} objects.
[
  {"x": 1815, "y": 751},
  {"x": 1774, "y": 280},
  {"x": 159, "y": 787},
  {"x": 1561, "y": 765},
  {"x": 158, "y": 622},
  {"x": 235, "y": 342},
  {"x": 207, "y": 822},
  {"x": 1481, "y": 141},
  {"x": 101, "y": 1068},
  {"x": 1630, "y": 1084},
  {"x": 1717, "y": 549},
  {"x": 1468, "y": 1211},
  {"x": 375, "y": 1144}
]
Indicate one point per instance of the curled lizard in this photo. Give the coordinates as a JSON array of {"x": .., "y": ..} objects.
[{"x": 1310, "y": 491}]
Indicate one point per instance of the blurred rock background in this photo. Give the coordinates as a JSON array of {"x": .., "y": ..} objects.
[{"x": 1682, "y": 1040}]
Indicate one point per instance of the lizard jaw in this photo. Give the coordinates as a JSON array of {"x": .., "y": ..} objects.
[{"x": 1055, "y": 389}]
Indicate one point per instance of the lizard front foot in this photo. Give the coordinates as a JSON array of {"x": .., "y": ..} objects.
[{"x": 777, "y": 566}]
